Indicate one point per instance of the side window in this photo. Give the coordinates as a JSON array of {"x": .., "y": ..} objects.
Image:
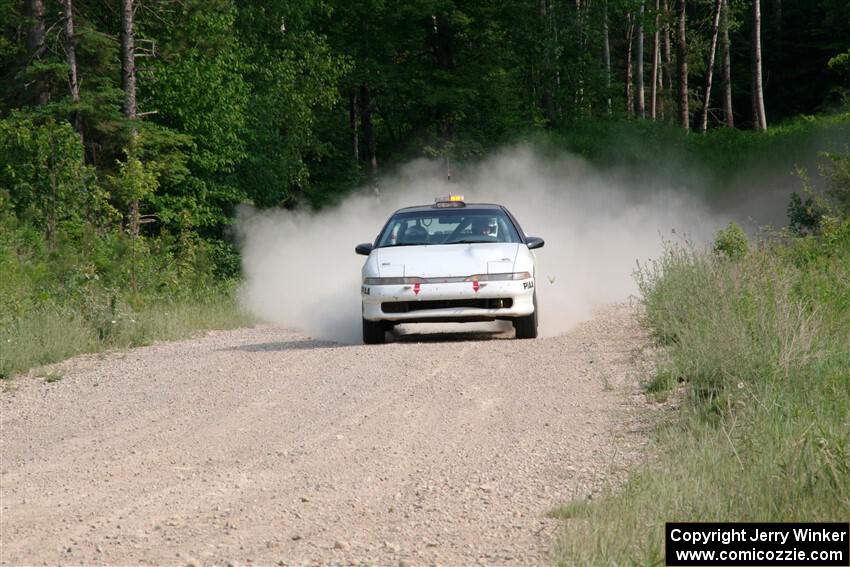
[{"x": 393, "y": 232}]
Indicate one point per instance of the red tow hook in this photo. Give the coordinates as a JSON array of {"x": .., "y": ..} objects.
[
  {"x": 475, "y": 286},
  {"x": 416, "y": 288}
]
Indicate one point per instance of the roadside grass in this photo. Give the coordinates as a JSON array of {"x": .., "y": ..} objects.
[
  {"x": 93, "y": 291},
  {"x": 760, "y": 342},
  {"x": 572, "y": 509},
  {"x": 52, "y": 332}
]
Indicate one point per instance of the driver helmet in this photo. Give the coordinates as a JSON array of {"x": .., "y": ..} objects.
[{"x": 481, "y": 226}]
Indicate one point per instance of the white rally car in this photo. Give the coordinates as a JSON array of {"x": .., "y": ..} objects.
[{"x": 450, "y": 261}]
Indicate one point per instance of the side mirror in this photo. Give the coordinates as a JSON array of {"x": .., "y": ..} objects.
[
  {"x": 534, "y": 242},
  {"x": 364, "y": 249}
]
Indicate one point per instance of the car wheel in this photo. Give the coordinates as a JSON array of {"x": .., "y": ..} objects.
[
  {"x": 374, "y": 332},
  {"x": 526, "y": 327}
]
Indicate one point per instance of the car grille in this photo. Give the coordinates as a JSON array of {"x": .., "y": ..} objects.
[{"x": 408, "y": 306}]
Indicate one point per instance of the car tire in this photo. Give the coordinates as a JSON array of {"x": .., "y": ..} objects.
[
  {"x": 526, "y": 327},
  {"x": 374, "y": 332}
]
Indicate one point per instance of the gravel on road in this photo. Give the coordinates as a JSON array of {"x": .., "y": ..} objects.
[{"x": 262, "y": 446}]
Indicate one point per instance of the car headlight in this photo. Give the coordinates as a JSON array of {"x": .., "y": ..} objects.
[
  {"x": 392, "y": 281},
  {"x": 507, "y": 276}
]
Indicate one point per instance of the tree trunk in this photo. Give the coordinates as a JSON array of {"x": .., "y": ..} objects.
[
  {"x": 445, "y": 62},
  {"x": 653, "y": 89},
  {"x": 368, "y": 130},
  {"x": 659, "y": 110},
  {"x": 668, "y": 51},
  {"x": 759, "y": 118},
  {"x": 682, "y": 64},
  {"x": 548, "y": 96},
  {"x": 34, "y": 11},
  {"x": 581, "y": 47},
  {"x": 606, "y": 54},
  {"x": 712, "y": 51},
  {"x": 71, "y": 49},
  {"x": 641, "y": 99},
  {"x": 667, "y": 60},
  {"x": 352, "y": 121},
  {"x": 630, "y": 97},
  {"x": 128, "y": 79},
  {"x": 128, "y": 60},
  {"x": 728, "y": 116}
]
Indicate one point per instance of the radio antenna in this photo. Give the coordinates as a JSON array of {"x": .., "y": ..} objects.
[{"x": 448, "y": 168}]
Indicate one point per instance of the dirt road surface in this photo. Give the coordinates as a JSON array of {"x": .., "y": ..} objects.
[{"x": 265, "y": 447}]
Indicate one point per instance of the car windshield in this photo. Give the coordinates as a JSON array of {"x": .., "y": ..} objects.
[{"x": 448, "y": 226}]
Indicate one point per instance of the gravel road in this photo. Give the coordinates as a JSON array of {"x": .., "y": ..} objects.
[{"x": 264, "y": 447}]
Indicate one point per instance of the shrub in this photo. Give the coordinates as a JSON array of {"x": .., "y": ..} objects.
[{"x": 731, "y": 242}]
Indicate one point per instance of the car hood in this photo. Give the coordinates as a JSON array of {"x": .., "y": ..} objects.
[{"x": 446, "y": 260}]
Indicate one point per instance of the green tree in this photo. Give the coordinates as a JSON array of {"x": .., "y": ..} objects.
[
  {"x": 195, "y": 85},
  {"x": 44, "y": 178},
  {"x": 294, "y": 77}
]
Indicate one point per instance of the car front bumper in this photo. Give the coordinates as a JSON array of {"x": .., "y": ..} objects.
[{"x": 458, "y": 301}]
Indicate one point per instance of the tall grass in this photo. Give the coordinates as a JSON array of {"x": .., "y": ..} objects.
[
  {"x": 760, "y": 348},
  {"x": 52, "y": 332},
  {"x": 97, "y": 291}
]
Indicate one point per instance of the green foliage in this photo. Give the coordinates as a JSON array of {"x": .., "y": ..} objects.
[
  {"x": 840, "y": 65},
  {"x": 43, "y": 178},
  {"x": 197, "y": 84},
  {"x": 837, "y": 172},
  {"x": 134, "y": 182},
  {"x": 197, "y": 87},
  {"x": 725, "y": 151},
  {"x": 825, "y": 265},
  {"x": 822, "y": 210},
  {"x": 295, "y": 78},
  {"x": 77, "y": 297},
  {"x": 731, "y": 242},
  {"x": 716, "y": 158},
  {"x": 760, "y": 348},
  {"x": 804, "y": 217},
  {"x": 252, "y": 101}
]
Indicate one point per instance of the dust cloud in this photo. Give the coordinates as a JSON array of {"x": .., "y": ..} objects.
[{"x": 300, "y": 270}]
